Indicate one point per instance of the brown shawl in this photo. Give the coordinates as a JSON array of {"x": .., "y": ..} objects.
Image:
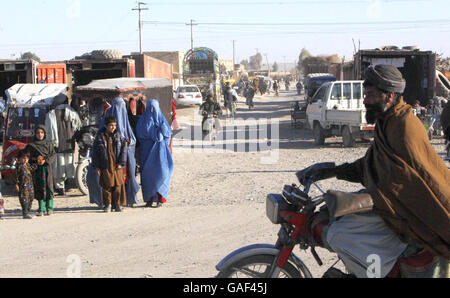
[{"x": 409, "y": 182}]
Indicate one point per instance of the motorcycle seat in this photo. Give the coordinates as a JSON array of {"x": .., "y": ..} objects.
[{"x": 344, "y": 203}]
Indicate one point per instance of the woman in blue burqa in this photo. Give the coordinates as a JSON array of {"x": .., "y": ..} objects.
[
  {"x": 154, "y": 133},
  {"x": 119, "y": 111}
]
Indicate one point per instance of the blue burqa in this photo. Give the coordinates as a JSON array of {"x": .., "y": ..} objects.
[
  {"x": 119, "y": 111},
  {"x": 154, "y": 133}
]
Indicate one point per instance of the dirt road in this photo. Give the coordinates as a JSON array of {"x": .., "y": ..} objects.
[{"x": 216, "y": 205}]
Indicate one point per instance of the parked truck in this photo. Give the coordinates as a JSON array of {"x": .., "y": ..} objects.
[
  {"x": 151, "y": 68},
  {"x": 337, "y": 109},
  {"x": 17, "y": 72},
  {"x": 52, "y": 73},
  {"x": 313, "y": 81},
  {"x": 418, "y": 68},
  {"x": 81, "y": 72}
]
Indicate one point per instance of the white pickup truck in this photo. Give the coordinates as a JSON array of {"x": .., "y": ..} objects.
[{"x": 337, "y": 109}]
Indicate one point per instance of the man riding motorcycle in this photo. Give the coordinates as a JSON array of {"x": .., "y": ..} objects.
[
  {"x": 210, "y": 107},
  {"x": 406, "y": 179}
]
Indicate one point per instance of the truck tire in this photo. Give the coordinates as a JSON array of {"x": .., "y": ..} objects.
[
  {"x": 107, "y": 54},
  {"x": 319, "y": 135},
  {"x": 411, "y": 48},
  {"x": 85, "y": 56},
  {"x": 347, "y": 137},
  {"x": 444, "y": 83}
]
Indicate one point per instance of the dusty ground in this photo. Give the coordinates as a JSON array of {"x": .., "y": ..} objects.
[{"x": 216, "y": 205}]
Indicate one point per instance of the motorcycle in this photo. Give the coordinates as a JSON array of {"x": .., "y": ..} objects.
[
  {"x": 293, "y": 210},
  {"x": 85, "y": 139}
]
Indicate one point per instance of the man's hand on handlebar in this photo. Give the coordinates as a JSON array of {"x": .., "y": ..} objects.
[{"x": 314, "y": 173}]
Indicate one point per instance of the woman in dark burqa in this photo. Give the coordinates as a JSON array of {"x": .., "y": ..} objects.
[
  {"x": 154, "y": 133},
  {"x": 119, "y": 111},
  {"x": 42, "y": 157}
]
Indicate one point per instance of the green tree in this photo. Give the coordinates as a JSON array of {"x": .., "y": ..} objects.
[
  {"x": 303, "y": 55},
  {"x": 30, "y": 55},
  {"x": 275, "y": 67},
  {"x": 256, "y": 61},
  {"x": 245, "y": 63}
]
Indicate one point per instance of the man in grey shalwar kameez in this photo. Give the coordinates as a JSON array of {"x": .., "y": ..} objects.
[{"x": 61, "y": 124}]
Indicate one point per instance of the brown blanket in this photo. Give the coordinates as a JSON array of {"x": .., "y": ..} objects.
[{"x": 409, "y": 182}]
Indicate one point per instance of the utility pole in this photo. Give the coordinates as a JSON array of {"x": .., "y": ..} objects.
[
  {"x": 268, "y": 65},
  {"x": 192, "y": 33},
  {"x": 234, "y": 53},
  {"x": 140, "y": 9}
]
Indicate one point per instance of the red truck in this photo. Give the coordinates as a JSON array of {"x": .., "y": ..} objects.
[{"x": 49, "y": 73}]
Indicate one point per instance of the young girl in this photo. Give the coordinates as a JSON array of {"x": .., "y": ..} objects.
[
  {"x": 42, "y": 155},
  {"x": 24, "y": 184}
]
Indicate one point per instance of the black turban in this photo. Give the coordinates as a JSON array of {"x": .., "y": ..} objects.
[{"x": 385, "y": 77}]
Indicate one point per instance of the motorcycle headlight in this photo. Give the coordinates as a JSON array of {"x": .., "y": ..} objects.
[
  {"x": 274, "y": 205},
  {"x": 88, "y": 139}
]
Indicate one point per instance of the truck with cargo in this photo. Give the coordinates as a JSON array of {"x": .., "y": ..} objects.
[
  {"x": 337, "y": 109},
  {"x": 418, "y": 68},
  {"x": 201, "y": 68}
]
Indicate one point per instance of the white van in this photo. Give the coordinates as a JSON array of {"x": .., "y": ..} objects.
[{"x": 337, "y": 109}]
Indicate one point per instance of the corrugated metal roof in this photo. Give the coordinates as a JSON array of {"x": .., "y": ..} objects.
[
  {"x": 125, "y": 84},
  {"x": 31, "y": 94}
]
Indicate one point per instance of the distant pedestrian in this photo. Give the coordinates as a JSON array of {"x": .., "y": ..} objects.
[
  {"x": 276, "y": 87},
  {"x": 231, "y": 98},
  {"x": 250, "y": 95},
  {"x": 154, "y": 134},
  {"x": 109, "y": 159},
  {"x": 24, "y": 183},
  {"x": 43, "y": 156},
  {"x": 269, "y": 86}
]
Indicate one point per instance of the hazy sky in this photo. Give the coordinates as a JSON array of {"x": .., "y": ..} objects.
[{"x": 62, "y": 29}]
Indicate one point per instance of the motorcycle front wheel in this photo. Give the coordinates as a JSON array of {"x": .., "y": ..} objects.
[
  {"x": 258, "y": 266},
  {"x": 81, "y": 176}
]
